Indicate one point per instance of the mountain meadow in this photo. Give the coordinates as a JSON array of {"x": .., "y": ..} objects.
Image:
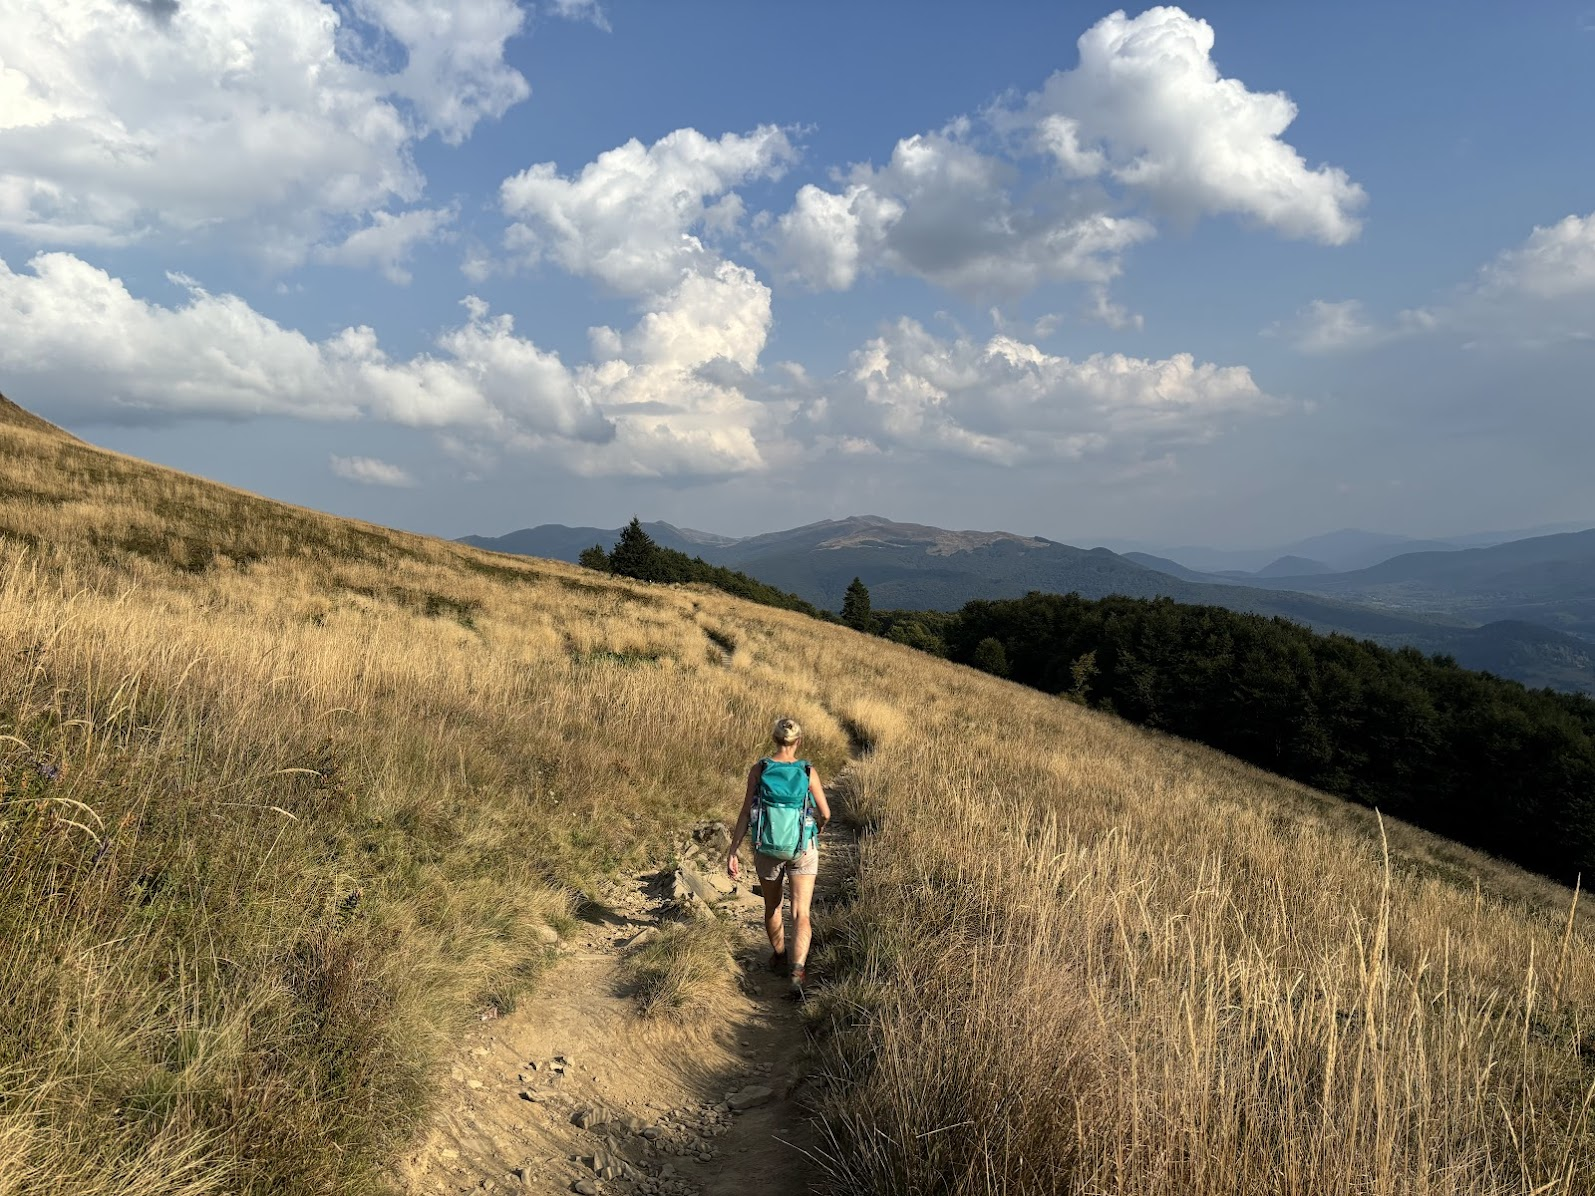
[{"x": 286, "y": 801}]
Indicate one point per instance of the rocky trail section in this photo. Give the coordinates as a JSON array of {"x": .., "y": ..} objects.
[{"x": 575, "y": 1092}]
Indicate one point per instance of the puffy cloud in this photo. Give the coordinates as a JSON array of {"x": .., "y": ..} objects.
[
  {"x": 278, "y": 114},
  {"x": 1042, "y": 191},
  {"x": 388, "y": 240},
  {"x": 628, "y": 218},
  {"x": 369, "y": 471},
  {"x": 947, "y": 212},
  {"x": 454, "y": 73},
  {"x": 1148, "y": 107},
  {"x": 674, "y": 384},
  {"x": 1554, "y": 263},
  {"x": 74, "y": 336},
  {"x": 666, "y": 398},
  {"x": 1009, "y": 403},
  {"x": 642, "y": 221}
]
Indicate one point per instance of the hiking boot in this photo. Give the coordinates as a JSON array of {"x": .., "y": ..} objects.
[
  {"x": 795, "y": 993},
  {"x": 778, "y": 962}
]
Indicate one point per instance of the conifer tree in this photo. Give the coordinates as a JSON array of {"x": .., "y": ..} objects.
[
  {"x": 636, "y": 554},
  {"x": 594, "y": 558},
  {"x": 856, "y": 609}
]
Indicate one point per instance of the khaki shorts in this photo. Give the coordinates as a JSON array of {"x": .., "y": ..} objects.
[{"x": 770, "y": 869}]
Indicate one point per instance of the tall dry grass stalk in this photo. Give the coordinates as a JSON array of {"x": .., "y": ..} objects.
[{"x": 284, "y": 799}]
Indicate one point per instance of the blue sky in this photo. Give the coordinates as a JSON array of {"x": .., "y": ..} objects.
[{"x": 1235, "y": 273}]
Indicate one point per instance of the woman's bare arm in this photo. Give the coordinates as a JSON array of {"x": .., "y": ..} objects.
[
  {"x": 817, "y": 791},
  {"x": 742, "y": 819}
]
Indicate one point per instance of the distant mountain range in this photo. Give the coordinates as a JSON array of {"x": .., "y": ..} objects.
[
  {"x": 1548, "y": 580},
  {"x": 1333, "y": 552},
  {"x": 913, "y": 566}
]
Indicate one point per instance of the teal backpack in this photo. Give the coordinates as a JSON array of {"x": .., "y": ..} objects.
[{"x": 783, "y": 820}]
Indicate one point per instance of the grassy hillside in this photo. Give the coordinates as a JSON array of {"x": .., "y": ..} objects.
[{"x": 287, "y": 799}]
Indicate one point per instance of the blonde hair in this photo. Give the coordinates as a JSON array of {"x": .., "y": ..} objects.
[{"x": 786, "y": 731}]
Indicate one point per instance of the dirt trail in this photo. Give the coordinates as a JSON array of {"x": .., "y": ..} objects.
[{"x": 574, "y": 1081}]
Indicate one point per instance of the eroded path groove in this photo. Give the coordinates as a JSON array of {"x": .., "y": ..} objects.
[{"x": 575, "y": 1092}]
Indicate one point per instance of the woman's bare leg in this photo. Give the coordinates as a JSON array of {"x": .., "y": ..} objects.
[
  {"x": 802, "y": 896},
  {"x": 772, "y": 914}
]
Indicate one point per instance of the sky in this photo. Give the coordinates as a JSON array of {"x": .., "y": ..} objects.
[{"x": 1231, "y": 274}]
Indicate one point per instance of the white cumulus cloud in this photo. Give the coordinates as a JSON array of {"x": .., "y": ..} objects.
[
  {"x": 387, "y": 242},
  {"x": 1007, "y": 402},
  {"x": 123, "y": 122},
  {"x": 947, "y": 211},
  {"x": 631, "y": 218},
  {"x": 369, "y": 471},
  {"x": 646, "y": 222},
  {"x": 1557, "y": 262},
  {"x": 1050, "y": 189},
  {"x": 454, "y": 74},
  {"x": 76, "y": 340},
  {"x": 664, "y": 398},
  {"x": 1148, "y": 107},
  {"x": 671, "y": 384}
]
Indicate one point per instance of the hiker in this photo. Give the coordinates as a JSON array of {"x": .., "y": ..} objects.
[{"x": 785, "y": 805}]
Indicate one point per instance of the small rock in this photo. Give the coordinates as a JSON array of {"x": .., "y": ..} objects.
[
  {"x": 548, "y": 935},
  {"x": 585, "y": 1186},
  {"x": 650, "y": 1132},
  {"x": 536, "y": 1098},
  {"x": 582, "y": 1119},
  {"x": 750, "y": 1097},
  {"x": 647, "y": 935},
  {"x": 473, "y": 1083}
]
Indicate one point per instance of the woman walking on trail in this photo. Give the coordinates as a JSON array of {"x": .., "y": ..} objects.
[{"x": 786, "y": 808}]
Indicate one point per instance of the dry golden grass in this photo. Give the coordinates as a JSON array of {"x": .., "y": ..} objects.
[
  {"x": 285, "y": 799},
  {"x": 687, "y": 974}
]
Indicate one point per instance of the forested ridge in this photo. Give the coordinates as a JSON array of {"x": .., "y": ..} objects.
[{"x": 1466, "y": 754}]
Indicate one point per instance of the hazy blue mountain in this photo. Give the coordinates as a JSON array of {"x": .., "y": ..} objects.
[
  {"x": 1349, "y": 548},
  {"x": 1162, "y": 564},
  {"x": 1548, "y": 580},
  {"x": 1487, "y": 539},
  {"x": 1293, "y": 566},
  {"x": 1343, "y": 551}
]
